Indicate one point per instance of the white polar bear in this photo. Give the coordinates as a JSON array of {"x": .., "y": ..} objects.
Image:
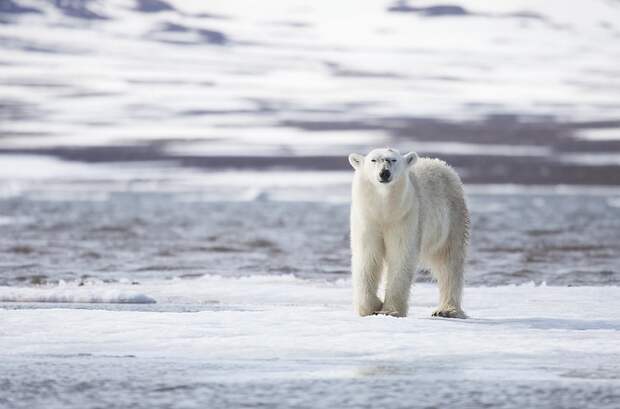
[{"x": 407, "y": 212}]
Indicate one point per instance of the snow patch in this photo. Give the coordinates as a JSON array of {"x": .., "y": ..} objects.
[
  {"x": 73, "y": 294},
  {"x": 289, "y": 318},
  {"x": 600, "y": 134}
]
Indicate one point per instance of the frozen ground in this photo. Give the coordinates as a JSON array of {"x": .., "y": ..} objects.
[{"x": 284, "y": 342}]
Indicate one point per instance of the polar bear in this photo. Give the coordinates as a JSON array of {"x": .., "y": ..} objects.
[{"x": 406, "y": 212}]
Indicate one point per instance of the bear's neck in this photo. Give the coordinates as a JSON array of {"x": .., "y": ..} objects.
[{"x": 394, "y": 201}]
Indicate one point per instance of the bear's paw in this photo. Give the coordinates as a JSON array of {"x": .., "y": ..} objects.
[
  {"x": 391, "y": 313},
  {"x": 449, "y": 312}
]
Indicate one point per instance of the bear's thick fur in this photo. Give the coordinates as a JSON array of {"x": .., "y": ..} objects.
[{"x": 406, "y": 212}]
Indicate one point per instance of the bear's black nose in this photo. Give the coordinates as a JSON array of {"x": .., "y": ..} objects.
[{"x": 384, "y": 176}]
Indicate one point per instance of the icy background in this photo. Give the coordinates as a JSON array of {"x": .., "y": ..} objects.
[
  {"x": 174, "y": 197},
  {"x": 511, "y": 91}
]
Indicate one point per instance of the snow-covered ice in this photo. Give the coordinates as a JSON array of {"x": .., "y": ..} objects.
[
  {"x": 67, "y": 294},
  {"x": 523, "y": 346}
]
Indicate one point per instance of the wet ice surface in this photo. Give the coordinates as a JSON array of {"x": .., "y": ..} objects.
[
  {"x": 81, "y": 231},
  {"x": 297, "y": 344},
  {"x": 190, "y": 384}
]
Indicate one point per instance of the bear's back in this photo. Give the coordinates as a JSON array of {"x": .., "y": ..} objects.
[{"x": 435, "y": 176}]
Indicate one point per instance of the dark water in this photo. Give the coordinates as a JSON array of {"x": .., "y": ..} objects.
[{"x": 558, "y": 239}]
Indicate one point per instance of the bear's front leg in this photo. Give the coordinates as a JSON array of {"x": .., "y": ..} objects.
[
  {"x": 367, "y": 258},
  {"x": 401, "y": 260},
  {"x": 368, "y": 304}
]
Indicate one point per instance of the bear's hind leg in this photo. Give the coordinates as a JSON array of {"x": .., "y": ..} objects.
[{"x": 448, "y": 267}]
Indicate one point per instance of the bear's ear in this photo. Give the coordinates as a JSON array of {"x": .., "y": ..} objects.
[
  {"x": 356, "y": 160},
  {"x": 411, "y": 158}
]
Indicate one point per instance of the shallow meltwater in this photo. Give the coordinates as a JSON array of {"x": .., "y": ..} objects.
[
  {"x": 127, "y": 237},
  {"x": 301, "y": 384}
]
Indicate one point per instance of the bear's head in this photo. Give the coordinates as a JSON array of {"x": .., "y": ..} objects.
[{"x": 383, "y": 166}]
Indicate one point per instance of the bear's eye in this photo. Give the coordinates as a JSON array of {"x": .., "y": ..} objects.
[{"x": 373, "y": 160}]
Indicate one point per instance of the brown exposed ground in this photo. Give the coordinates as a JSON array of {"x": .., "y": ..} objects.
[{"x": 558, "y": 137}]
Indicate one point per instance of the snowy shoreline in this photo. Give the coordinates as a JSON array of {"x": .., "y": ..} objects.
[
  {"x": 263, "y": 332},
  {"x": 306, "y": 309}
]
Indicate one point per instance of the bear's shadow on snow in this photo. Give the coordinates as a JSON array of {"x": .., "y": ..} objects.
[{"x": 549, "y": 323}]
